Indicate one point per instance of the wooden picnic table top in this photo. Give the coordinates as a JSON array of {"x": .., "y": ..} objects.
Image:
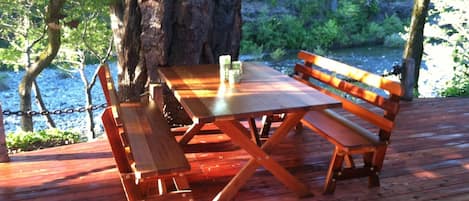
[{"x": 262, "y": 90}]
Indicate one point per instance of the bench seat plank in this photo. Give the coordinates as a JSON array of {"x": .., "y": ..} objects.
[
  {"x": 340, "y": 131},
  {"x": 153, "y": 149},
  {"x": 146, "y": 152}
]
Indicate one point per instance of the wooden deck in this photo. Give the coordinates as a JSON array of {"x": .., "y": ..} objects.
[{"x": 427, "y": 160}]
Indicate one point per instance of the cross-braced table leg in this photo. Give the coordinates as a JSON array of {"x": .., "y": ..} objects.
[{"x": 237, "y": 132}]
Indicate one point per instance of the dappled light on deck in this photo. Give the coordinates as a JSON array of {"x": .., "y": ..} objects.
[{"x": 417, "y": 166}]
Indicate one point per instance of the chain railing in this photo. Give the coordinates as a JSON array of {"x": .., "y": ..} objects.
[{"x": 55, "y": 112}]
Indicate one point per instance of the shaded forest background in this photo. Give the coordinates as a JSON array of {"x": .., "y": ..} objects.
[{"x": 273, "y": 27}]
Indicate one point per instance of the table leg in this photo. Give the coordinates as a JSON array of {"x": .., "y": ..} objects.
[{"x": 236, "y": 132}]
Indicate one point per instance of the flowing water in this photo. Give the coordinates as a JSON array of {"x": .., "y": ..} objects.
[{"x": 379, "y": 60}]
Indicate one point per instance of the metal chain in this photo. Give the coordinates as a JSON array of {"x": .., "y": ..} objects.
[
  {"x": 396, "y": 70},
  {"x": 59, "y": 111}
]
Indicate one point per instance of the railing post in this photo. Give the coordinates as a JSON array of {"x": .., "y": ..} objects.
[
  {"x": 408, "y": 79},
  {"x": 3, "y": 146}
]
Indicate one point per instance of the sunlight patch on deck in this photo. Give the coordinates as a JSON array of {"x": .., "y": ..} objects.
[
  {"x": 448, "y": 136},
  {"x": 426, "y": 175},
  {"x": 426, "y": 134},
  {"x": 466, "y": 166}
]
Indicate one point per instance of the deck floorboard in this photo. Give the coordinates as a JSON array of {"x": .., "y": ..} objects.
[{"x": 428, "y": 160}]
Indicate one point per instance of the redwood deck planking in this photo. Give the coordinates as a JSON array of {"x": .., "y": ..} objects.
[{"x": 428, "y": 159}]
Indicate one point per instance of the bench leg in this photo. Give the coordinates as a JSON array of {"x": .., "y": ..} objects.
[
  {"x": 193, "y": 129},
  {"x": 373, "y": 179},
  {"x": 266, "y": 124},
  {"x": 378, "y": 160},
  {"x": 349, "y": 161},
  {"x": 335, "y": 167},
  {"x": 254, "y": 133},
  {"x": 181, "y": 183},
  {"x": 132, "y": 192}
]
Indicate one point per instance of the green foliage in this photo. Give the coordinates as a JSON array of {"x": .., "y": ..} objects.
[
  {"x": 448, "y": 22},
  {"x": 456, "y": 90},
  {"x": 393, "y": 24},
  {"x": 307, "y": 8},
  {"x": 249, "y": 47},
  {"x": 28, "y": 141},
  {"x": 87, "y": 33},
  {"x": 278, "y": 54},
  {"x": 394, "y": 40},
  {"x": 324, "y": 35},
  {"x": 19, "y": 28},
  {"x": 22, "y": 31},
  {"x": 315, "y": 25}
]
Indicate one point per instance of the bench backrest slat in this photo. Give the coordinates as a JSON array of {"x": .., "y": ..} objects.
[
  {"x": 352, "y": 72},
  {"x": 358, "y": 110},
  {"x": 366, "y": 95}
]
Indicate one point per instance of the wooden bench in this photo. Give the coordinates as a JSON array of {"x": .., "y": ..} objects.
[
  {"x": 146, "y": 153},
  {"x": 369, "y": 135}
]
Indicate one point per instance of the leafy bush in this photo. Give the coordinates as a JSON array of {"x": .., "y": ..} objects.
[
  {"x": 374, "y": 31},
  {"x": 394, "y": 40},
  {"x": 277, "y": 54},
  {"x": 392, "y": 24},
  {"x": 448, "y": 20},
  {"x": 250, "y": 47},
  {"x": 313, "y": 24},
  {"x": 28, "y": 141},
  {"x": 325, "y": 34},
  {"x": 456, "y": 90}
]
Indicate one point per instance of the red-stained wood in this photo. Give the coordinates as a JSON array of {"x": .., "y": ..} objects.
[
  {"x": 427, "y": 159},
  {"x": 208, "y": 100},
  {"x": 204, "y": 97},
  {"x": 349, "y": 138},
  {"x": 146, "y": 152},
  {"x": 352, "y": 72}
]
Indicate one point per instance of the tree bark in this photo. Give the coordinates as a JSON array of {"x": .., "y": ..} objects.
[
  {"x": 53, "y": 15},
  {"x": 414, "y": 46},
  {"x": 3, "y": 146},
  {"x": 41, "y": 105},
  {"x": 171, "y": 33}
]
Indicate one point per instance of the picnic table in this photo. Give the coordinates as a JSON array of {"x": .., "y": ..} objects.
[{"x": 261, "y": 91}]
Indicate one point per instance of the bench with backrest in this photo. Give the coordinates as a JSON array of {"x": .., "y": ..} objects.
[
  {"x": 147, "y": 155},
  {"x": 368, "y": 134}
]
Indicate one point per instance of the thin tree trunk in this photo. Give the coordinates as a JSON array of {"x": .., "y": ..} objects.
[
  {"x": 53, "y": 15},
  {"x": 42, "y": 106},
  {"x": 414, "y": 45},
  {"x": 89, "y": 102},
  {"x": 3, "y": 146}
]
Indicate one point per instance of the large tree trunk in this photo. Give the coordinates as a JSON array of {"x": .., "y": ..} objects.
[
  {"x": 53, "y": 15},
  {"x": 160, "y": 33},
  {"x": 414, "y": 46}
]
